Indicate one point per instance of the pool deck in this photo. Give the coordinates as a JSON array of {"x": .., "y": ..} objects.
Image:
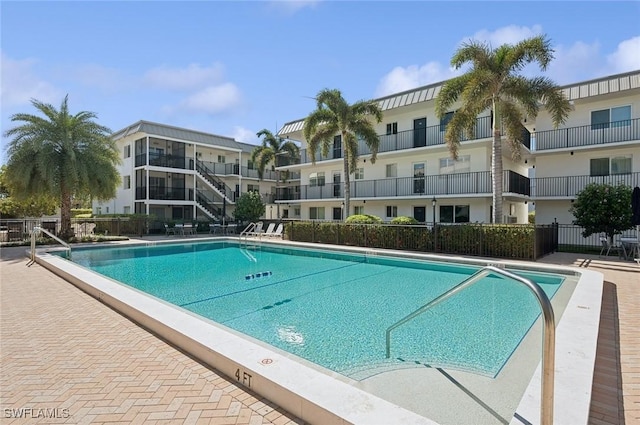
[{"x": 67, "y": 353}]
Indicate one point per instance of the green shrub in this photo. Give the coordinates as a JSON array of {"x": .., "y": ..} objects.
[
  {"x": 363, "y": 219},
  {"x": 404, "y": 220},
  {"x": 81, "y": 212}
]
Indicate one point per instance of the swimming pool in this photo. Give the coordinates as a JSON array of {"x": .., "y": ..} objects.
[
  {"x": 410, "y": 392},
  {"x": 333, "y": 308}
]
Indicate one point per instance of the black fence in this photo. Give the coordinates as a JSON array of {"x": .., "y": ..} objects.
[{"x": 523, "y": 242}]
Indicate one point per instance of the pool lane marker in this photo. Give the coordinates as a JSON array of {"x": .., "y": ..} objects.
[{"x": 257, "y": 275}]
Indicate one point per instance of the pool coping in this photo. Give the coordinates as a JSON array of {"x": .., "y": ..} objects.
[{"x": 318, "y": 397}]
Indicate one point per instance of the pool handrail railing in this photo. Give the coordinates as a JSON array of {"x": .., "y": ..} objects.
[
  {"x": 548, "y": 332},
  {"x": 36, "y": 230}
]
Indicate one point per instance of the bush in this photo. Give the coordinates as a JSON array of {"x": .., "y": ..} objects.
[
  {"x": 404, "y": 220},
  {"x": 81, "y": 212},
  {"x": 363, "y": 219}
]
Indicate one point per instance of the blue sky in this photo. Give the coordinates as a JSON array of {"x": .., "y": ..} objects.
[{"x": 234, "y": 68}]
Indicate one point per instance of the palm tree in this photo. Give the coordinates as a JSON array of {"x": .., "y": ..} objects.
[
  {"x": 61, "y": 155},
  {"x": 334, "y": 115},
  {"x": 493, "y": 84},
  {"x": 271, "y": 147}
]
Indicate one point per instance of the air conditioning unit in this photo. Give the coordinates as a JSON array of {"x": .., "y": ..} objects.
[{"x": 511, "y": 219}]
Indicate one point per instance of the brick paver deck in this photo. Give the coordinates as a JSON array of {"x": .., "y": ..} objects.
[{"x": 64, "y": 354}]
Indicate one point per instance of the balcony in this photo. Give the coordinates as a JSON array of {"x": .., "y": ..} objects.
[
  {"x": 569, "y": 186},
  {"x": 161, "y": 160},
  {"x": 588, "y": 135},
  {"x": 408, "y": 139},
  {"x": 164, "y": 193},
  {"x": 411, "y": 187}
]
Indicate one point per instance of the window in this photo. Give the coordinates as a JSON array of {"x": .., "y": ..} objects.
[
  {"x": 316, "y": 213},
  {"x": 250, "y": 165},
  {"x": 127, "y": 151},
  {"x": 606, "y": 166},
  {"x": 221, "y": 159},
  {"x": 454, "y": 213},
  {"x": 445, "y": 120},
  {"x": 126, "y": 182},
  {"x": 99, "y": 210},
  {"x": 392, "y": 128},
  {"x": 392, "y": 211},
  {"x": 359, "y": 174},
  {"x": 316, "y": 179},
  {"x": 616, "y": 117},
  {"x": 126, "y": 210},
  {"x": 359, "y": 209},
  {"x": 253, "y": 188},
  {"x": 449, "y": 165},
  {"x": 296, "y": 211},
  {"x": 392, "y": 170},
  {"x": 621, "y": 165}
]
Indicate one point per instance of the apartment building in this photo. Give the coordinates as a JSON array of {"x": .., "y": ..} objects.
[
  {"x": 179, "y": 174},
  {"x": 415, "y": 176},
  {"x": 599, "y": 143}
]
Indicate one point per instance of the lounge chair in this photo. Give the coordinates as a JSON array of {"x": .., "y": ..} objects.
[
  {"x": 608, "y": 246},
  {"x": 276, "y": 233},
  {"x": 270, "y": 228}
]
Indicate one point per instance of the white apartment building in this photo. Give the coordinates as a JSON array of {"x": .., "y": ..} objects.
[
  {"x": 415, "y": 176},
  {"x": 599, "y": 143},
  {"x": 179, "y": 174}
]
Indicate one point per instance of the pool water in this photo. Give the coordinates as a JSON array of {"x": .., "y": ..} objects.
[{"x": 333, "y": 308}]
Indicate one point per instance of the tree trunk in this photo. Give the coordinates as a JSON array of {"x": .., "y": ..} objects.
[
  {"x": 496, "y": 167},
  {"x": 66, "y": 232}
]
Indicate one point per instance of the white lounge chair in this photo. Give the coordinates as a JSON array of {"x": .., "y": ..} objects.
[
  {"x": 277, "y": 233},
  {"x": 608, "y": 247},
  {"x": 270, "y": 228}
]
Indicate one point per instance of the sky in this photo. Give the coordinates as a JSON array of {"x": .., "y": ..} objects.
[{"x": 233, "y": 68}]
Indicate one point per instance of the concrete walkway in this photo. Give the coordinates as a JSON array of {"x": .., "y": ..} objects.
[{"x": 67, "y": 358}]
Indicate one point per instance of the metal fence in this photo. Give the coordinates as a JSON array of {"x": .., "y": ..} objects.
[{"x": 525, "y": 242}]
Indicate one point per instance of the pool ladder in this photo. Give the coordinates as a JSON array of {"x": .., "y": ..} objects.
[
  {"x": 549, "y": 330},
  {"x": 35, "y": 232},
  {"x": 244, "y": 241}
]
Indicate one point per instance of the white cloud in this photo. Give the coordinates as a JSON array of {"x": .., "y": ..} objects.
[
  {"x": 213, "y": 99},
  {"x": 412, "y": 76},
  {"x": 506, "y": 35},
  {"x": 579, "y": 61},
  {"x": 192, "y": 77},
  {"x": 290, "y": 7},
  {"x": 20, "y": 84},
  {"x": 626, "y": 57},
  {"x": 245, "y": 135}
]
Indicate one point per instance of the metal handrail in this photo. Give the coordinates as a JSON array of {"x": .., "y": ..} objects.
[
  {"x": 549, "y": 330},
  {"x": 38, "y": 229}
]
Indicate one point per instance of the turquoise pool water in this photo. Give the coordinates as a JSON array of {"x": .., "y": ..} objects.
[{"x": 333, "y": 308}]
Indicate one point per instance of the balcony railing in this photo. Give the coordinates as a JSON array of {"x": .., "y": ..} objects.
[
  {"x": 164, "y": 193},
  {"x": 443, "y": 184},
  {"x": 408, "y": 139},
  {"x": 162, "y": 160},
  {"x": 569, "y": 186},
  {"x": 588, "y": 135}
]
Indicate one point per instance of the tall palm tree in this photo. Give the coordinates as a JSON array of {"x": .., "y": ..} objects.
[
  {"x": 492, "y": 83},
  {"x": 271, "y": 147},
  {"x": 334, "y": 115},
  {"x": 61, "y": 155}
]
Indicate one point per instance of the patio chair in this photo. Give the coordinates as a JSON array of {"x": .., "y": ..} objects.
[
  {"x": 276, "y": 233},
  {"x": 169, "y": 230},
  {"x": 215, "y": 228},
  {"x": 270, "y": 228},
  {"x": 188, "y": 229},
  {"x": 608, "y": 246}
]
